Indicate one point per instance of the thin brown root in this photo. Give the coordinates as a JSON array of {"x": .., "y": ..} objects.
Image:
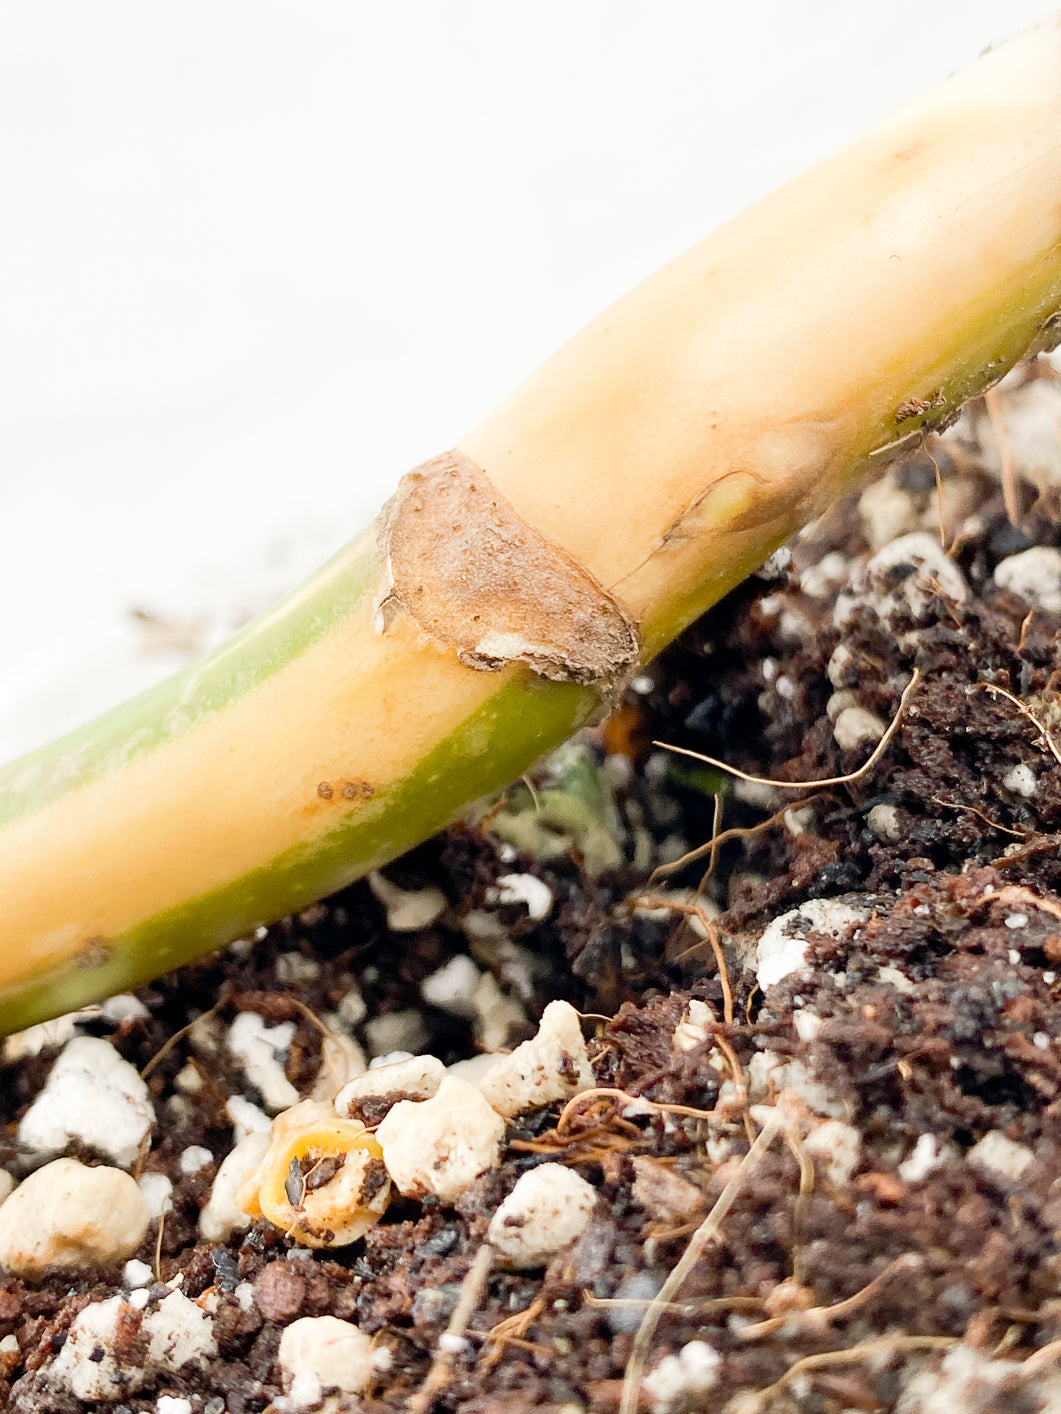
[
  {"x": 799, "y": 1213},
  {"x": 712, "y": 849},
  {"x": 510, "y": 1331},
  {"x": 158, "y": 1240},
  {"x": 739, "y": 1079},
  {"x": 1025, "y": 711},
  {"x": 878, "y": 752},
  {"x": 312, "y": 1016},
  {"x": 996, "y": 417},
  {"x": 866, "y": 1350},
  {"x": 695, "y": 910},
  {"x": 716, "y": 830},
  {"x": 709, "y": 1307},
  {"x": 328, "y": 1057},
  {"x": 940, "y": 512},
  {"x": 1018, "y": 893},
  {"x": 532, "y": 790},
  {"x": 471, "y": 1293},
  {"x": 818, "y": 1317},
  {"x": 171, "y": 1041},
  {"x": 707, "y": 1232},
  {"x": 994, "y": 825},
  {"x": 737, "y": 832},
  {"x": 607, "y": 1092}
]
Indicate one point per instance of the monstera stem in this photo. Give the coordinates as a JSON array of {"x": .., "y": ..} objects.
[{"x": 513, "y": 584}]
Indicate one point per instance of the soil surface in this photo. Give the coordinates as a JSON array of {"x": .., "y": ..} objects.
[{"x": 898, "y": 1244}]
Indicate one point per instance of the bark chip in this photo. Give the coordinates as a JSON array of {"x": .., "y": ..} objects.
[{"x": 476, "y": 576}]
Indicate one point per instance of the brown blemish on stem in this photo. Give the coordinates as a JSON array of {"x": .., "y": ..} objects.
[
  {"x": 915, "y": 407},
  {"x": 357, "y": 790},
  {"x": 478, "y": 578},
  {"x": 346, "y": 790},
  {"x": 92, "y": 953}
]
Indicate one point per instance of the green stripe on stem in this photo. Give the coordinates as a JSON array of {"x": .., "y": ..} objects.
[
  {"x": 524, "y": 718},
  {"x": 180, "y": 703}
]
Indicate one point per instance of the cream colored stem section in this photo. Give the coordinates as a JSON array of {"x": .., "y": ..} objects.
[
  {"x": 744, "y": 381},
  {"x": 215, "y": 803}
]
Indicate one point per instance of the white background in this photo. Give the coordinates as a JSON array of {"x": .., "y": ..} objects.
[{"x": 260, "y": 256}]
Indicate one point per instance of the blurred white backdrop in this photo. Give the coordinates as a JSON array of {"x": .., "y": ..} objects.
[{"x": 261, "y": 256}]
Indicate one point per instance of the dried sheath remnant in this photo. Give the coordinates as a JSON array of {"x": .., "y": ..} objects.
[{"x": 474, "y": 575}]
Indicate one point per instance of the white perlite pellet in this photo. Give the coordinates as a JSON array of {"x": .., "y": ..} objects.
[
  {"x": 1035, "y": 575},
  {"x": 839, "y": 702},
  {"x": 246, "y": 1118},
  {"x": 194, "y": 1158},
  {"x": 547, "y": 1210},
  {"x": 892, "y": 977},
  {"x": 173, "y": 1404},
  {"x": 885, "y": 822},
  {"x": 887, "y": 511},
  {"x": 682, "y": 1379},
  {"x": 934, "y": 573},
  {"x": 855, "y": 727},
  {"x": 841, "y": 670},
  {"x": 769, "y": 1073},
  {"x": 535, "y": 895},
  {"x": 923, "y": 1158},
  {"x": 451, "y": 988},
  {"x": 175, "y": 1332},
  {"x": 69, "y": 1215},
  {"x": 417, "y": 1078},
  {"x": 553, "y": 1065},
  {"x": 396, "y": 1031},
  {"x": 390, "y": 1058},
  {"x": 156, "y": 1189},
  {"x": 497, "y": 1015},
  {"x": 319, "y": 1353},
  {"x": 136, "y": 1273},
  {"x": 806, "y": 1024},
  {"x": 261, "y": 1049},
  {"x": 1021, "y": 780},
  {"x": 441, "y": 1145},
  {"x": 94, "y": 1096},
  {"x": 782, "y": 949},
  {"x": 352, "y": 1009},
  {"x": 970, "y": 1382},
  {"x": 342, "y": 1059},
  {"x": 222, "y": 1215},
  {"x": 293, "y": 968},
  {"x": 35, "y": 1039},
  {"x": 189, "y": 1079},
  {"x": 836, "y": 1149},
  {"x": 993, "y": 1154},
  {"x": 123, "y": 1008},
  {"x": 695, "y": 1026},
  {"x": 820, "y": 580},
  {"x": 408, "y": 910}
]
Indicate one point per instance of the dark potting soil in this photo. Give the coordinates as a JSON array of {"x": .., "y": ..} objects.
[{"x": 843, "y": 1277}]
